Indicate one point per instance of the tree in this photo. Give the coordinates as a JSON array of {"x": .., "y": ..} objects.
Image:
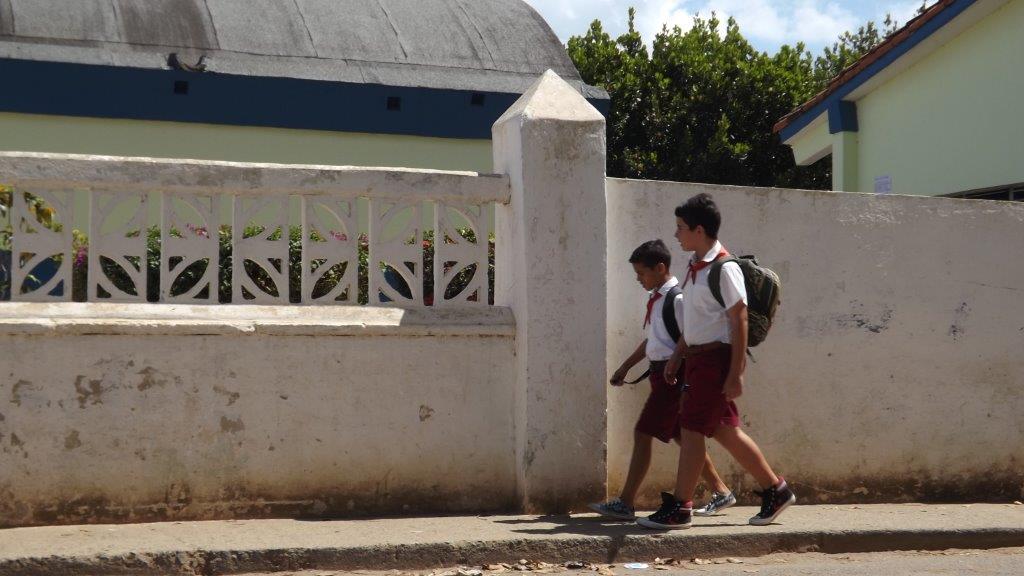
[{"x": 701, "y": 104}]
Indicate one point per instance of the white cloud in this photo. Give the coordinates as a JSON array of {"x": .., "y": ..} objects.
[{"x": 766, "y": 23}]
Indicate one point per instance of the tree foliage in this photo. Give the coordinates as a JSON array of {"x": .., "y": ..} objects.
[{"x": 700, "y": 104}]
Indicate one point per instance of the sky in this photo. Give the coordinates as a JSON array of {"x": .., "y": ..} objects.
[{"x": 767, "y": 24}]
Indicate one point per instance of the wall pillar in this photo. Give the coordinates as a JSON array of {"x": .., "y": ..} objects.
[
  {"x": 551, "y": 272},
  {"x": 845, "y": 162}
]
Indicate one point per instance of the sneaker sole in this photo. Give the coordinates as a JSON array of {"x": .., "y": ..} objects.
[
  {"x": 703, "y": 514},
  {"x": 647, "y": 523},
  {"x": 755, "y": 521},
  {"x": 612, "y": 515}
]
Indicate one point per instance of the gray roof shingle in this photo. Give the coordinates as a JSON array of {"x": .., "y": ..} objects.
[{"x": 481, "y": 45}]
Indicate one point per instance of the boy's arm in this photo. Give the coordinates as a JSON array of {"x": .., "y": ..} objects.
[
  {"x": 619, "y": 378},
  {"x": 738, "y": 364},
  {"x": 672, "y": 366}
]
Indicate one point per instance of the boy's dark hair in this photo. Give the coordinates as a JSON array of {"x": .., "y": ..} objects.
[
  {"x": 652, "y": 253},
  {"x": 701, "y": 211}
]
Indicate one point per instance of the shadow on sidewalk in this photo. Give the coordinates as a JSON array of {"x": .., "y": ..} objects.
[{"x": 594, "y": 526}]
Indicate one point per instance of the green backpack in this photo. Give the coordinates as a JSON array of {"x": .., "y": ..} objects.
[{"x": 763, "y": 291}]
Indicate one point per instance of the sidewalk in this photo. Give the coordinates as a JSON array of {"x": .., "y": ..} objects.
[{"x": 411, "y": 543}]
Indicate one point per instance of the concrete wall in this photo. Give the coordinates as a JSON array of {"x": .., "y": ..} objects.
[
  {"x": 100, "y": 136},
  {"x": 139, "y": 413},
  {"x": 894, "y": 371}
]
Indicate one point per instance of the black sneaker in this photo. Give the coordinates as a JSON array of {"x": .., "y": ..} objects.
[
  {"x": 773, "y": 502},
  {"x": 673, "y": 515}
]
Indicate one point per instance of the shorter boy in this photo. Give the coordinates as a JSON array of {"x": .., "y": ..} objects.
[{"x": 660, "y": 416}]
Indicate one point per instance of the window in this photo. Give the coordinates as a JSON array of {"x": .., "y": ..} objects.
[{"x": 1014, "y": 192}]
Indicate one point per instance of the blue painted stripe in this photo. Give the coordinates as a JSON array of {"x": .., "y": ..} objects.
[
  {"x": 842, "y": 117},
  {"x": 56, "y": 88},
  {"x": 922, "y": 33}
]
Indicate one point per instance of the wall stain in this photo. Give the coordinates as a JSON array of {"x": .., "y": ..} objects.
[
  {"x": 72, "y": 441},
  {"x": 150, "y": 379},
  {"x": 956, "y": 330},
  {"x": 865, "y": 322},
  {"x": 228, "y": 425},
  {"x": 232, "y": 396},
  {"x": 425, "y": 412},
  {"x": 178, "y": 496},
  {"x": 16, "y": 391},
  {"x": 90, "y": 392}
]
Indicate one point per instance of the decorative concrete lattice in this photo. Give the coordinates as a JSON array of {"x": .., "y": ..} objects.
[
  {"x": 259, "y": 248},
  {"x": 396, "y": 258},
  {"x": 189, "y": 240},
  {"x": 454, "y": 253},
  {"x": 360, "y": 235},
  {"x": 33, "y": 244},
  {"x": 118, "y": 244},
  {"x": 330, "y": 249}
]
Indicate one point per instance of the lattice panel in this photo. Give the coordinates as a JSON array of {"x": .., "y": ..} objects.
[
  {"x": 403, "y": 253},
  {"x": 33, "y": 244},
  {"x": 121, "y": 251},
  {"x": 189, "y": 236},
  {"x": 266, "y": 249},
  {"x": 453, "y": 253},
  {"x": 330, "y": 240}
]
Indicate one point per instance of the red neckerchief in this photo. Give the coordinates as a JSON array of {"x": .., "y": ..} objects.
[
  {"x": 650, "y": 306},
  {"x": 694, "y": 267}
]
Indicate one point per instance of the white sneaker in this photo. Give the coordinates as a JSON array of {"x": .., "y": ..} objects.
[
  {"x": 718, "y": 503},
  {"x": 614, "y": 508}
]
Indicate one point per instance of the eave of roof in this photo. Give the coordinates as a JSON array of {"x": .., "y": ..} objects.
[{"x": 912, "y": 34}]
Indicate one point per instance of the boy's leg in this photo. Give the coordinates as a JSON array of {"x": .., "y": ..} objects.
[
  {"x": 639, "y": 464},
  {"x": 747, "y": 454},
  {"x": 711, "y": 477},
  {"x": 776, "y": 495},
  {"x": 692, "y": 459}
]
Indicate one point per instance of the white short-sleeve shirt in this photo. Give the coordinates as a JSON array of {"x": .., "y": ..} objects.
[
  {"x": 659, "y": 343},
  {"x": 705, "y": 320}
]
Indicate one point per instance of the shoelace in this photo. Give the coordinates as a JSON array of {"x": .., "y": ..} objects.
[
  {"x": 767, "y": 502},
  {"x": 667, "y": 509}
]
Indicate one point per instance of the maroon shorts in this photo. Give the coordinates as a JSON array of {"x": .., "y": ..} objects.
[
  {"x": 704, "y": 405},
  {"x": 660, "y": 416}
]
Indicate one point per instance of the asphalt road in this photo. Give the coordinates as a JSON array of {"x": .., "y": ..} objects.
[{"x": 1001, "y": 562}]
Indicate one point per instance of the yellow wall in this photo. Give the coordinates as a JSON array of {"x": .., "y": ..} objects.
[
  {"x": 72, "y": 135},
  {"x": 953, "y": 121}
]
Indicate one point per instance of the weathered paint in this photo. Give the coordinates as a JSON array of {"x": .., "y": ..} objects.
[
  {"x": 893, "y": 372},
  {"x": 221, "y": 412},
  {"x": 550, "y": 272}
]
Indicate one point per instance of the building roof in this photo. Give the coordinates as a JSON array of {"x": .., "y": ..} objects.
[
  {"x": 872, "y": 63},
  {"x": 478, "y": 45}
]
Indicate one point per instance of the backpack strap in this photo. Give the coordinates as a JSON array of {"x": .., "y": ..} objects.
[
  {"x": 715, "y": 278},
  {"x": 668, "y": 312}
]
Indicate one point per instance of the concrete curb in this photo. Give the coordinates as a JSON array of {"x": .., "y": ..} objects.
[{"x": 605, "y": 549}]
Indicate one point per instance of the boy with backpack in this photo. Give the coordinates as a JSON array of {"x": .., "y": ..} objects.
[
  {"x": 660, "y": 416},
  {"x": 714, "y": 345}
]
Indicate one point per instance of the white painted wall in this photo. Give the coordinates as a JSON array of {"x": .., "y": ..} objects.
[
  {"x": 894, "y": 371},
  {"x": 549, "y": 260},
  {"x": 148, "y": 412}
]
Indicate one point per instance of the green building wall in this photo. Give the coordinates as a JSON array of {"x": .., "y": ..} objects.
[
  {"x": 74, "y": 135},
  {"x": 952, "y": 122}
]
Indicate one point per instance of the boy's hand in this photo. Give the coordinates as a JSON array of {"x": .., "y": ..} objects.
[
  {"x": 619, "y": 378},
  {"x": 733, "y": 387},
  {"x": 672, "y": 369}
]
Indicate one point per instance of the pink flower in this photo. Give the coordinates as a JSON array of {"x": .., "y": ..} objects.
[
  {"x": 80, "y": 256},
  {"x": 339, "y": 236},
  {"x": 197, "y": 230}
]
